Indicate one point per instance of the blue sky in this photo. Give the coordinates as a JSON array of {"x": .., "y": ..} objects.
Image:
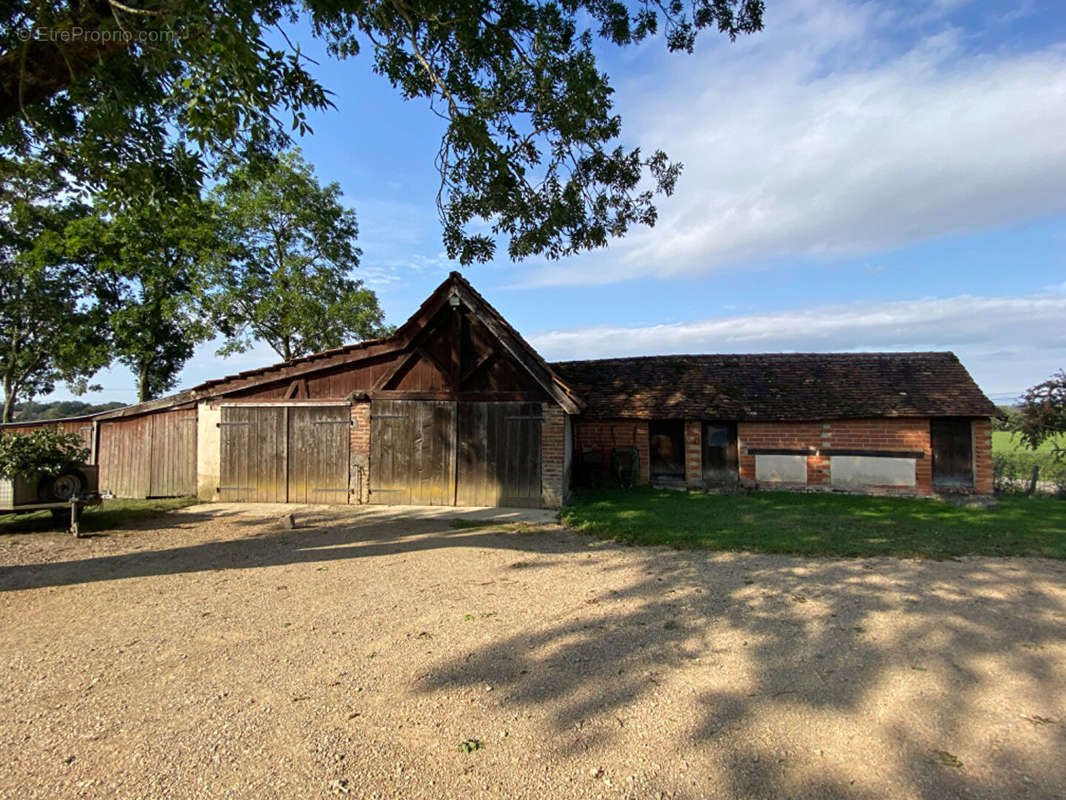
[{"x": 859, "y": 176}]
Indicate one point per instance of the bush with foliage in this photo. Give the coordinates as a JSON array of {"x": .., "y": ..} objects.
[
  {"x": 1013, "y": 470},
  {"x": 45, "y": 451}
]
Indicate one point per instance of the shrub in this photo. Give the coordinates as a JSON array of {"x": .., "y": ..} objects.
[
  {"x": 45, "y": 451},
  {"x": 1013, "y": 469}
]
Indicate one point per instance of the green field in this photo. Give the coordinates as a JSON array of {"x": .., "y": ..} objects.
[
  {"x": 822, "y": 524},
  {"x": 1014, "y": 463}
]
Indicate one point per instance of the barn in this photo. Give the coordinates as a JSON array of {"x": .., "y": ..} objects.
[{"x": 456, "y": 408}]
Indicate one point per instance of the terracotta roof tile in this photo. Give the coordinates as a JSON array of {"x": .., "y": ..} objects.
[{"x": 777, "y": 386}]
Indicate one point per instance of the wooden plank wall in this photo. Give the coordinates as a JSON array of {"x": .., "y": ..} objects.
[
  {"x": 173, "y": 467},
  {"x": 254, "y": 455},
  {"x": 124, "y": 456},
  {"x": 83, "y": 428},
  {"x": 318, "y": 454},
  {"x": 412, "y": 458},
  {"x": 499, "y": 454},
  {"x": 149, "y": 456}
]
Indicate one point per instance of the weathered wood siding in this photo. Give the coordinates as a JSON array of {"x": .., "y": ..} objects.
[
  {"x": 499, "y": 454},
  {"x": 149, "y": 456},
  {"x": 412, "y": 452},
  {"x": 254, "y": 455},
  {"x": 318, "y": 454},
  {"x": 83, "y": 428},
  {"x": 289, "y": 454},
  {"x": 173, "y": 449}
]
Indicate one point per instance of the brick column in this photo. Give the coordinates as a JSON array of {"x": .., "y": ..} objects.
[
  {"x": 359, "y": 454},
  {"x": 819, "y": 469},
  {"x": 552, "y": 445},
  {"x": 983, "y": 482},
  {"x": 693, "y": 453}
]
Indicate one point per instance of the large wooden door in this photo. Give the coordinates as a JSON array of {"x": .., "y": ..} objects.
[
  {"x": 254, "y": 454},
  {"x": 499, "y": 454},
  {"x": 173, "y": 467},
  {"x": 412, "y": 452},
  {"x": 290, "y": 454},
  {"x": 318, "y": 454},
  {"x": 951, "y": 440}
]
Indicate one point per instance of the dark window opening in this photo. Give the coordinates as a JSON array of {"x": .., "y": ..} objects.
[
  {"x": 666, "y": 440},
  {"x": 952, "y": 444},
  {"x": 720, "y": 463}
]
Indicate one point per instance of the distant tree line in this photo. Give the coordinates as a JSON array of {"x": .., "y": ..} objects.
[{"x": 60, "y": 409}]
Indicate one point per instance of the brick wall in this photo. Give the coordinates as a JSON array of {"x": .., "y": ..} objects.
[
  {"x": 982, "y": 456},
  {"x": 850, "y": 434},
  {"x": 597, "y": 435},
  {"x": 693, "y": 453},
  {"x": 553, "y": 456},
  {"x": 359, "y": 454}
]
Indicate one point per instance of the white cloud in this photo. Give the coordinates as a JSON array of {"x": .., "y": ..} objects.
[
  {"x": 1008, "y": 343},
  {"x": 822, "y": 137}
]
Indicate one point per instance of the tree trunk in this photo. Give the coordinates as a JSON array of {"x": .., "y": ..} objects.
[
  {"x": 9, "y": 403},
  {"x": 143, "y": 389}
]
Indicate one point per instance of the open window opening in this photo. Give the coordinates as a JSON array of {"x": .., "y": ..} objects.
[
  {"x": 951, "y": 439},
  {"x": 720, "y": 462},
  {"x": 666, "y": 439}
]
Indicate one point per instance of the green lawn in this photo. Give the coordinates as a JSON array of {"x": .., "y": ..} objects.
[
  {"x": 821, "y": 524},
  {"x": 108, "y": 515}
]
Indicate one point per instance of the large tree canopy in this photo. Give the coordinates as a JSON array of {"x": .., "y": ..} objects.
[
  {"x": 50, "y": 327},
  {"x": 1041, "y": 415},
  {"x": 286, "y": 276},
  {"x": 155, "y": 90},
  {"x": 152, "y": 264}
]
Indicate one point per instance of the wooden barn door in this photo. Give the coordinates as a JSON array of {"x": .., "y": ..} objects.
[
  {"x": 318, "y": 454},
  {"x": 499, "y": 454},
  {"x": 412, "y": 452},
  {"x": 254, "y": 455},
  {"x": 290, "y": 454},
  {"x": 951, "y": 440},
  {"x": 173, "y": 456}
]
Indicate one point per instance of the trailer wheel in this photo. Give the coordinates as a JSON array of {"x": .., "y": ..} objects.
[{"x": 61, "y": 488}]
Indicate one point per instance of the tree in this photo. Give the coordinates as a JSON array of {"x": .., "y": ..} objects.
[
  {"x": 286, "y": 279},
  {"x": 50, "y": 329},
  {"x": 1042, "y": 414},
  {"x": 153, "y": 262},
  {"x": 156, "y": 91}
]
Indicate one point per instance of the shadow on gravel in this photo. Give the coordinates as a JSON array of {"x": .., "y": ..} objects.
[
  {"x": 320, "y": 536},
  {"x": 806, "y": 629},
  {"x": 806, "y": 635}
]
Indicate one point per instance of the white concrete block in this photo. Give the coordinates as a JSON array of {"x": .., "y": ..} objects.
[
  {"x": 781, "y": 469},
  {"x": 859, "y": 471}
]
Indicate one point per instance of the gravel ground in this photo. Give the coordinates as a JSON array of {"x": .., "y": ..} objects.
[{"x": 213, "y": 653}]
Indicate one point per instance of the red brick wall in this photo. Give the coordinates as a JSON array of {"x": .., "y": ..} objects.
[
  {"x": 786, "y": 435},
  {"x": 553, "y": 455},
  {"x": 851, "y": 434},
  {"x": 982, "y": 456},
  {"x": 359, "y": 453},
  {"x": 596, "y": 435},
  {"x": 693, "y": 453}
]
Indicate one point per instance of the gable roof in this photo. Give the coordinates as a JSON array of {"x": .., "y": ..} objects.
[
  {"x": 455, "y": 283},
  {"x": 777, "y": 386}
]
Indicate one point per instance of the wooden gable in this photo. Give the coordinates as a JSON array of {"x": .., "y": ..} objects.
[{"x": 455, "y": 356}]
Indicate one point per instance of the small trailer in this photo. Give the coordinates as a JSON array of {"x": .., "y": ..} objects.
[{"x": 65, "y": 495}]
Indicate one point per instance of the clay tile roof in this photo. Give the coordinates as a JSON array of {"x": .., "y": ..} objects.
[{"x": 777, "y": 386}]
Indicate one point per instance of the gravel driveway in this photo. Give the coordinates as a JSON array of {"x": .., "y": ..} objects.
[{"x": 213, "y": 653}]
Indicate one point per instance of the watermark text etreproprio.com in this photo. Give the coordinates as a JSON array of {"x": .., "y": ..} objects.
[{"x": 77, "y": 34}]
